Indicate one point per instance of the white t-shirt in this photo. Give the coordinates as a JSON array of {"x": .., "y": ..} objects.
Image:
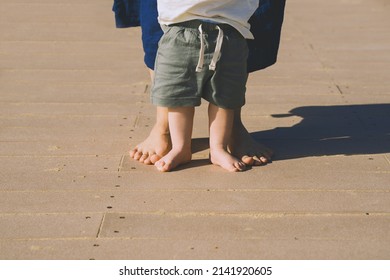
[{"x": 233, "y": 12}]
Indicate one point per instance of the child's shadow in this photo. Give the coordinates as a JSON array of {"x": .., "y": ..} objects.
[{"x": 331, "y": 130}]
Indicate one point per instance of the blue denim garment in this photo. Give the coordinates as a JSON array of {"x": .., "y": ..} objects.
[
  {"x": 266, "y": 24},
  {"x": 126, "y": 13},
  {"x": 151, "y": 31}
]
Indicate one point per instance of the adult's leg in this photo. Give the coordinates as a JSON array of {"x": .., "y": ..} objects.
[
  {"x": 158, "y": 143},
  {"x": 220, "y": 124},
  {"x": 180, "y": 123}
]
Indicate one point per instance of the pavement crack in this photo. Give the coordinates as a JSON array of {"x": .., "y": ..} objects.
[
  {"x": 121, "y": 163},
  {"x": 101, "y": 226},
  {"x": 146, "y": 88},
  {"x": 387, "y": 159},
  {"x": 339, "y": 89}
]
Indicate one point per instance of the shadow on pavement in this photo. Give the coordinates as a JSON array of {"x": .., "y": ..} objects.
[{"x": 331, "y": 130}]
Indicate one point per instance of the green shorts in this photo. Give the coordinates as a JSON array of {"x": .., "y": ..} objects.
[{"x": 177, "y": 82}]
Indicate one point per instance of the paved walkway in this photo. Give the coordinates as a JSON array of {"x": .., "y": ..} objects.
[{"x": 74, "y": 96}]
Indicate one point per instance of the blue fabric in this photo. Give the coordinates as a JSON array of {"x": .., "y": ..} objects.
[
  {"x": 266, "y": 24},
  {"x": 151, "y": 31},
  {"x": 126, "y": 13}
]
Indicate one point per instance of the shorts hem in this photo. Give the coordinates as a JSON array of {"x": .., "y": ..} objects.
[{"x": 174, "y": 103}]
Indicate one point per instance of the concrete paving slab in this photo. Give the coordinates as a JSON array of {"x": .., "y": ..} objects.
[
  {"x": 46, "y": 226},
  {"x": 275, "y": 103},
  {"x": 243, "y": 249},
  {"x": 54, "y": 181},
  {"x": 294, "y": 176},
  {"x": 66, "y": 164},
  {"x": 74, "y": 93},
  {"x": 70, "y": 106},
  {"x": 71, "y": 176},
  {"x": 62, "y": 147},
  {"x": 49, "y": 249},
  {"x": 71, "y": 201},
  {"x": 368, "y": 95},
  {"x": 67, "y": 55},
  {"x": 60, "y": 22},
  {"x": 68, "y": 122},
  {"x": 215, "y": 226},
  {"x": 268, "y": 91},
  {"x": 348, "y": 59},
  {"x": 84, "y": 128},
  {"x": 249, "y": 201},
  {"x": 50, "y": 76},
  {"x": 365, "y": 163},
  {"x": 151, "y": 249},
  {"x": 67, "y": 109}
]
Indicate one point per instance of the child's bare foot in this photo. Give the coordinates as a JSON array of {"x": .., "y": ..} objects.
[
  {"x": 225, "y": 160},
  {"x": 173, "y": 159},
  {"x": 153, "y": 148},
  {"x": 247, "y": 149}
]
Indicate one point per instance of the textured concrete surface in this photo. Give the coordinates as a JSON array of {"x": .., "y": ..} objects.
[{"x": 74, "y": 96}]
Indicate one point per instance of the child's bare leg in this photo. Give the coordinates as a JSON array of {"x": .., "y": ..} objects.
[
  {"x": 180, "y": 125},
  {"x": 243, "y": 146},
  {"x": 221, "y": 124}
]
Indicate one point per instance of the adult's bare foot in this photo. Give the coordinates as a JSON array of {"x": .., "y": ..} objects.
[
  {"x": 244, "y": 147},
  {"x": 153, "y": 148},
  {"x": 250, "y": 151},
  {"x": 157, "y": 144}
]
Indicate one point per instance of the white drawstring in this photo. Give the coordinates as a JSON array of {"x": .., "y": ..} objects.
[
  {"x": 217, "y": 51},
  {"x": 199, "y": 67}
]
